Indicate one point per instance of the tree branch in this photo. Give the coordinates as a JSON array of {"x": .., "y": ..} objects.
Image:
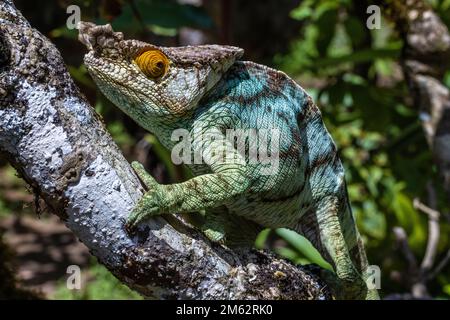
[
  {"x": 59, "y": 145},
  {"x": 433, "y": 229}
]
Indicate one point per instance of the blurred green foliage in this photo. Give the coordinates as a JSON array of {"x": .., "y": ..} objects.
[
  {"x": 353, "y": 74},
  {"x": 102, "y": 285}
]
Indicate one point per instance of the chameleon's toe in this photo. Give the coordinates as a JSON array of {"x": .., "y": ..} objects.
[
  {"x": 214, "y": 235},
  {"x": 138, "y": 215},
  {"x": 145, "y": 177}
]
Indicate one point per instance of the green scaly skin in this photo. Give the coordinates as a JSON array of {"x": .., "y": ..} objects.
[{"x": 205, "y": 89}]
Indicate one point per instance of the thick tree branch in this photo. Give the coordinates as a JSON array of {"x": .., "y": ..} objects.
[{"x": 60, "y": 147}]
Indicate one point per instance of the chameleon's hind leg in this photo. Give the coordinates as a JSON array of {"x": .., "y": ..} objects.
[
  {"x": 323, "y": 229},
  {"x": 227, "y": 228}
]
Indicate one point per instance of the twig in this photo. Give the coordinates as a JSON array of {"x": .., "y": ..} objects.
[
  {"x": 441, "y": 265},
  {"x": 433, "y": 229},
  {"x": 402, "y": 241},
  {"x": 432, "y": 214}
]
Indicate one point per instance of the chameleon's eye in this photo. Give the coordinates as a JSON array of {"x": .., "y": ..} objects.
[{"x": 153, "y": 63}]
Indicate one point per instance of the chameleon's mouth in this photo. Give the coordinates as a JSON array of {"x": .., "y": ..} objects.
[{"x": 104, "y": 72}]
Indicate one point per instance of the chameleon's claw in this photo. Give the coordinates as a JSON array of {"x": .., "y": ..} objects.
[
  {"x": 140, "y": 214},
  {"x": 145, "y": 177},
  {"x": 151, "y": 203}
]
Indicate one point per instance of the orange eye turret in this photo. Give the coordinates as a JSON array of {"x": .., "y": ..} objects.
[{"x": 153, "y": 63}]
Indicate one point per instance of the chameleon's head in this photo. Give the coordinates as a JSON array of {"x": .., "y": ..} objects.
[{"x": 151, "y": 83}]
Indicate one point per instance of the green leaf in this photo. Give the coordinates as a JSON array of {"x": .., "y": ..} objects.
[
  {"x": 326, "y": 7},
  {"x": 303, "y": 246},
  {"x": 64, "y": 32},
  {"x": 262, "y": 238},
  {"x": 161, "y": 31},
  {"x": 169, "y": 14},
  {"x": 80, "y": 74},
  {"x": 359, "y": 56},
  {"x": 303, "y": 11},
  {"x": 446, "y": 289},
  {"x": 161, "y": 17},
  {"x": 355, "y": 30},
  {"x": 371, "y": 220},
  {"x": 327, "y": 25},
  {"x": 409, "y": 219}
]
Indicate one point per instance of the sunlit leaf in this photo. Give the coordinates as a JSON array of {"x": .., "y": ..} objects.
[{"x": 303, "y": 246}]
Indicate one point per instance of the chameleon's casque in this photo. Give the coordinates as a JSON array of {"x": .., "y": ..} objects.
[{"x": 204, "y": 89}]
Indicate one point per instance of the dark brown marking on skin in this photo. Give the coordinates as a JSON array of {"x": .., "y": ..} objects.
[
  {"x": 295, "y": 147},
  {"x": 282, "y": 115},
  {"x": 321, "y": 160},
  {"x": 222, "y": 180},
  {"x": 238, "y": 71},
  {"x": 292, "y": 153},
  {"x": 179, "y": 202},
  {"x": 305, "y": 204},
  {"x": 194, "y": 183},
  {"x": 276, "y": 80},
  {"x": 355, "y": 255},
  {"x": 301, "y": 116},
  {"x": 309, "y": 110},
  {"x": 336, "y": 164},
  {"x": 267, "y": 93},
  {"x": 296, "y": 134},
  {"x": 253, "y": 100}
]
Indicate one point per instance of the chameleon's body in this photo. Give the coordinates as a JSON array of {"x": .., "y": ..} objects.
[{"x": 206, "y": 88}]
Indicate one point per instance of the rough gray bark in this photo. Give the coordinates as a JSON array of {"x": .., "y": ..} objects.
[
  {"x": 425, "y": 59},
  {"x": 59, "y": 145}
]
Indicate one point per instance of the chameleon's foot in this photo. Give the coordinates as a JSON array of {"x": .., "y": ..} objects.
[
  {"x": 146, "y": 208},
  {"x": 213, "y": 227},
  {"x": 223, "y": 227},
  {"x": 229, "y": 239},
  {"x": 372, "y": 294},
  {"x": 151, "y": 204},
  {"x": 355, "y": 289},
  {"x": 214, "y": 235}
]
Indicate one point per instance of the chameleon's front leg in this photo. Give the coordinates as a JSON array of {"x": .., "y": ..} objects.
[{"x": 199, "y": 193}]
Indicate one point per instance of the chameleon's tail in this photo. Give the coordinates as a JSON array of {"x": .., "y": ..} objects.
[
  {"x": 356, "y": 248},
  {"x": 332, "y": 230}
]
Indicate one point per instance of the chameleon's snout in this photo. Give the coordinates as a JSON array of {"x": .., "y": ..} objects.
[{"x": 96, "y": 37}]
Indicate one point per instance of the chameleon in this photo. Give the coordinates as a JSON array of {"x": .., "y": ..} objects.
[{"x": 207, "y": 90}]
